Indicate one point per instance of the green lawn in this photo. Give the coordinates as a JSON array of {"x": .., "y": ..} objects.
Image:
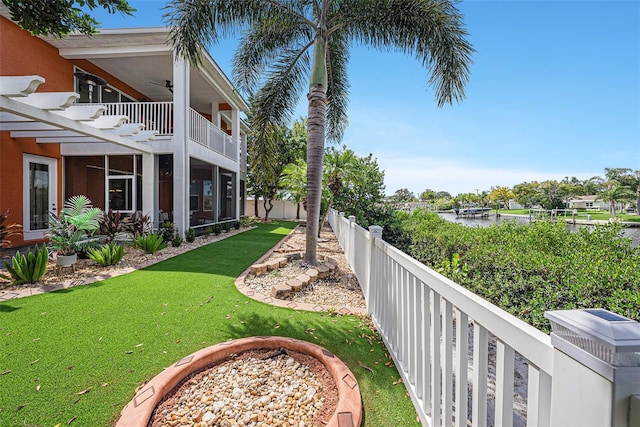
[
  {"x": 582, "y": 214},
  {"x": 76, "y": 356}
]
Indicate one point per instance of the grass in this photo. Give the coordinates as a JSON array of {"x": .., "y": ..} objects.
[{"x": 75, "y": 357}]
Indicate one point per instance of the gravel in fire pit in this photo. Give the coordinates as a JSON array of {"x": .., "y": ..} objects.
[{"x": 253, "y": 390}]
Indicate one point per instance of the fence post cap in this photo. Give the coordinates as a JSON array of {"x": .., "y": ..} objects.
[
  {"x": 605, "y": 341},
  {"x": 376, "y": 230},
  {"x": 352, "y": 218}
]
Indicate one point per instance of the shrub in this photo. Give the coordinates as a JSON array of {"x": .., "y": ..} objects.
[
  {"x": 150, "y": 243},
  {"x": 190, "y": 235},
  {"x": 7, "y": 230},
  {"x": 83, "y": 247},
  {"x": 167, "y": 231},
  {"x": 208, "y": 231},
  {"x": 30, "y": 268},
  {"x": 236, "y": 225},
  {"x": 177, "y": 239},
  {"x": 77, "y": 222},
  {"x": 217, "y": 229},
  {"x": 530, "y": 268},
  {"x": 226, "y": 226},
  {"x": 139, "y": 224},
  {"x": 106, "y": 255},
  {"x": 246, "y": 221},
  {"x": 111, "y": 226}
]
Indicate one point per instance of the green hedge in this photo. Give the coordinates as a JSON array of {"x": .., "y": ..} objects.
[{"x": 528, "y": 269}]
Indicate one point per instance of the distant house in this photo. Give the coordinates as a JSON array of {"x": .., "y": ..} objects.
[
  {"x": 119, "y": 118},
  {"x": 515, "y": 205},
  {"x": 588, "y": 202}
]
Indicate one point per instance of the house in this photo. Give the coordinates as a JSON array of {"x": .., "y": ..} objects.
[
  {"x": 588, "y": 202},
  {"x": 119, "y": 118}
]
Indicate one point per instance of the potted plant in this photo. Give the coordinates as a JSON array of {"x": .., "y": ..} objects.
[{"x": 77, "y": 221}]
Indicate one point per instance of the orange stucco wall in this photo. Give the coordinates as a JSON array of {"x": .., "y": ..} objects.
[{"x": 23, "y": 54}]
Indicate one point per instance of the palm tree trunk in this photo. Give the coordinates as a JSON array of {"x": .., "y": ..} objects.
[{"x": 315, "y": 154}]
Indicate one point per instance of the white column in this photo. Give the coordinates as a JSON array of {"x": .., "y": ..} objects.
[
  {"x": 150, "y": 187},
  {"x": 181, "y": 144},
  {"x": 235, "y": 135},
  {"x": 215, "y": 114}
]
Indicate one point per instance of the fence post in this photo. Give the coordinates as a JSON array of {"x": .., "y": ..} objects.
[
  {"x": 596, "y": 368},
  {"x": 375, "y": 232},
  {"x": 351, "y": 240}
]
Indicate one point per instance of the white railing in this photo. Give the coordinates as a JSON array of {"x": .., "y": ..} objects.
[
  {"x": 446, "y": 340},
  {"x": 206, "y": 133},
  {"x": 156, "y": 116}
]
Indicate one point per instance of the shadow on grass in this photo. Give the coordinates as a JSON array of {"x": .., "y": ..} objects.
[{"x": 6, "y": 308}]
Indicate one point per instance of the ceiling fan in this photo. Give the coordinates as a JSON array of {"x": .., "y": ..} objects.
[{"x": 167, "y": 84}]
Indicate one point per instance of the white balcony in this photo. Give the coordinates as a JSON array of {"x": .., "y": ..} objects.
[{"x": 158, "y": 116}]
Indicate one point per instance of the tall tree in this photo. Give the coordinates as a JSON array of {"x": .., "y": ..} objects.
[
  {"x": 501, "y": 196},
  {"x": 403, "y": 195},
  {"x": 294, "y": 183},
  {"x": 61, "y": 17},
  {"x": 288, "y": 43}
]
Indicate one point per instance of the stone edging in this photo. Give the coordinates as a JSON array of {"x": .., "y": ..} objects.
[
  {"x": 268, "y": 299},
  {"x": 348, "y": 412}
]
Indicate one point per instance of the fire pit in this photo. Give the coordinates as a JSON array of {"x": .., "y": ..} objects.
[{"x": 348, "y": 411}]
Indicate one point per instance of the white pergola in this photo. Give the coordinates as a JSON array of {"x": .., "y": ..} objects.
[{"x": 52, "y": 117}]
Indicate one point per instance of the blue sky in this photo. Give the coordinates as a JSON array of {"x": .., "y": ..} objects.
[{"x": 554, "y": 92}]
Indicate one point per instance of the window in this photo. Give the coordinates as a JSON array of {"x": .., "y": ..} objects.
[
  {"x": 194, "y": 195},
  {"x": 99, "y": 94},
  {"x": 589, "y": 204},
  {"x": 207, "y": 195},
  {"x": 123, "y": 183}
]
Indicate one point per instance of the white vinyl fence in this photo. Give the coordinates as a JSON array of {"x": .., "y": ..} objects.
[{"x": 464, "y": 360}]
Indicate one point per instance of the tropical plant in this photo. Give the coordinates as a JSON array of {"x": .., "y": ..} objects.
[
  {"x": 30, "y": 268},
  {"x": 190, "y": 235},
  {"x": 111, "y": 226},
  {"x": 106, "y": 255},
  {"x": 340, "y": 171},
  {"x": 7, "y": 230},
  {"x": 294, "y": 183},
  {"x": 177, "y": 239},
  {"x": 302, "y": 41},
  {"x": 167, "y": 231},
  {"x": 139, "y": 224},
  {"x": 78, "y": 220},
  {"x": 150, "y": 243}
]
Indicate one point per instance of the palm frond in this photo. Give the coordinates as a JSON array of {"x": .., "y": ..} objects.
[
  {"x": 430, "y": 30},
  {"x": 263, "y": 45},
  {"x": 338, "y": 90}
]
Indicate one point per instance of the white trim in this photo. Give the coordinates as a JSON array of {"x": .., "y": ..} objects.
[{"x": 29, "y": 234}]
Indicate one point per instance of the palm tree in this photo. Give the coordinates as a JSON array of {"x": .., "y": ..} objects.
[
  {"x": 340, "y": 170},
  {"x": 287, "y": 43}
]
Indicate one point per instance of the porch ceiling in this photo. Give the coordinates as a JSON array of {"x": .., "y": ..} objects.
[
  {"x": 52, "y": 118},
  {"x": 142, "y": 59}
]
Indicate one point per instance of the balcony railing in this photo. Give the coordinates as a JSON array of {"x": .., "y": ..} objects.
[
  {"x": 156, "y": 116},
  {"x": 206, "y": 133}
]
